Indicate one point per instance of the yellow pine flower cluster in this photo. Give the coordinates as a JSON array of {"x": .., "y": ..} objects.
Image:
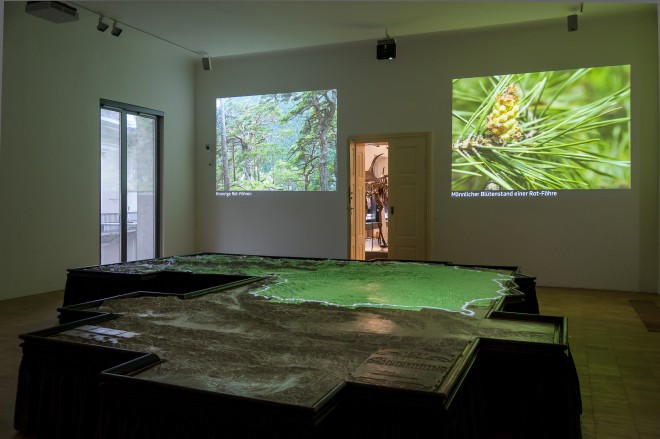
[{"x": 502, "y": 123}]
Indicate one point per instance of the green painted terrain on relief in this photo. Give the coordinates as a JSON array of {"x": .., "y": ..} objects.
[
  {"x": 390, "y": 284},
  {"x": 352, "y": 284}
]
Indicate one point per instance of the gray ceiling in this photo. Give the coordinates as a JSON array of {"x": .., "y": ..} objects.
[{"x": 225, "y": 28}]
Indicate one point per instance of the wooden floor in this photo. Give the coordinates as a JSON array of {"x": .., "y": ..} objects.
[{"x": 617, "y": 358}]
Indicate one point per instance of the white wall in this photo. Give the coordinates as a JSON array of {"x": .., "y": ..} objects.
[
  {"x": 657, "y": 2},
  {"x": 54, "y": 76},
  {"x": 2, "y": 33},
  {"x": 597, "y": 240}
]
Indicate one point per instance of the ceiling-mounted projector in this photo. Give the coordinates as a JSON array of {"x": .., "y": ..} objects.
[
  {"x": 386, "y": 49},
  {"x": 55, "y": 12}
]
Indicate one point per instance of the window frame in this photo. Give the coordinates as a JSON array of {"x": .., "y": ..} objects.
[{"x": 124, "y": 109}]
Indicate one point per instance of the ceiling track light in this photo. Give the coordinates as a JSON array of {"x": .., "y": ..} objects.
[
  {"x": 102, "y": 26},
  {"x": 116, "y": 30}
]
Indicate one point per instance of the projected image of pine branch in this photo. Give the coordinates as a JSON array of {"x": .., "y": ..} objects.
[
  {"x": 277, "y": 142},
  {"x": 543, "y": 131}
]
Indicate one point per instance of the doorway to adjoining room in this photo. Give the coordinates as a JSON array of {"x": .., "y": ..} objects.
[
  {"x": 376, "y": 200},
  {"x": 388, "y": 202}
]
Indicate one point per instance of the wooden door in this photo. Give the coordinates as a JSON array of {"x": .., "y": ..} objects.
[
  {"x": 357, "y": 201},
  {"x": 407, "y": 210}
]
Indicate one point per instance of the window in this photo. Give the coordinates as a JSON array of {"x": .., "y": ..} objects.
[{"x": 129, "y": 210}]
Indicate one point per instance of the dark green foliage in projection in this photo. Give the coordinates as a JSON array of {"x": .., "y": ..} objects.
[
  {"x": 278, "y": 142},
  {"x": 554, "y": 130},
  {"x": 317, "y": 136}
]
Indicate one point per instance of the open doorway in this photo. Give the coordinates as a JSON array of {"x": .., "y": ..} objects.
[
  {"x": 389, "y": 203},
  {"x": 376, "y": 198}
]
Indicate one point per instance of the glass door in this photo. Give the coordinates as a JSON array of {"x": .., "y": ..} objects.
[{"x": 129, "y": 220}]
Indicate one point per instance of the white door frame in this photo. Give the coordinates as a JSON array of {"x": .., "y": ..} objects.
[{"x": 353, "y": 221}]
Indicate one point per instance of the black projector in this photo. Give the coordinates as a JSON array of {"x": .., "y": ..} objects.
[
  {"x": 55, "y": 12},
  {"x": 386, "y": 49}
]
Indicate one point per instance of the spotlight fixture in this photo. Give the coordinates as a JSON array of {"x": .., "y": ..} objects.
[
  {"x": 116, "y": 30},
  {"x": 572, "y": 20},
  {"x": 386, "y": 48},
  {"x": 102, "y": 26}
]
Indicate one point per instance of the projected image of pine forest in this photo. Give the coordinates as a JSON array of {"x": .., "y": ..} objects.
[
  {"x": 553, "y": 130},
  {"x": 278, "y": 142}
]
